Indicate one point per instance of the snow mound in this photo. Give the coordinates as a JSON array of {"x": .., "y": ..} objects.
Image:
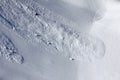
[
  {"x": 38, "y": 24},
  {"x": 8, "y": 50}
]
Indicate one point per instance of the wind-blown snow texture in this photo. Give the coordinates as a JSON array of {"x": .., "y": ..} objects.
[
  {"x": 8, "y": 50},
  {"x": 35, "y": 23}
]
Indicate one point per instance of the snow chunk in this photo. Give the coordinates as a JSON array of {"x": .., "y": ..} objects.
[{"x": 8, "y": 50}]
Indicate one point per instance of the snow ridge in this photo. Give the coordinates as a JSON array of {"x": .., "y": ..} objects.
[
  {"x": 8, "y": 50},
  {"x": 36, "y": 23}
]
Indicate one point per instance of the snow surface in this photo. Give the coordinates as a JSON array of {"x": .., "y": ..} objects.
[
  {"x": 49, "y": 38},
  {"x": 8, "y": 50},
  {"x": 36, "y": 26}
]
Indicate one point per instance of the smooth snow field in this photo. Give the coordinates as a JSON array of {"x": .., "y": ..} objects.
[{"x": 59, "y": 40}]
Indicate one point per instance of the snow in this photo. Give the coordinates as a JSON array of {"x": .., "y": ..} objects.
[
  {"x": 8, "y": 50},
  {"x": 109, "y": 31},
  {"x": 55, "y": 33},
  {"x": 53, "y": 40}
]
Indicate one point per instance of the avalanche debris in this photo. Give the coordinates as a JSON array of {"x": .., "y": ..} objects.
[
  {"x": 8, "y": 50},
  {"x": 36, "y": 23}
]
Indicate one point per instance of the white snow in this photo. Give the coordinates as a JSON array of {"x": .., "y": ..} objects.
[
  {"x": 109, "y": 31},
  {"x": 54, "y": 33},
  {"x": 8, "y": 50},
  {"x": 50, "y": 40}
]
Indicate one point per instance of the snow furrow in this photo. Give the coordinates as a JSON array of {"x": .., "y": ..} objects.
[{"x": 36, "y": 24}]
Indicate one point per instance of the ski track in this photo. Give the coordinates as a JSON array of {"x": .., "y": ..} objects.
[{"x": 35, "y": 23}]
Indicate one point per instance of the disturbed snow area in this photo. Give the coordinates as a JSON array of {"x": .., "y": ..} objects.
[
  {"x": 47, "y": 47},
  {"x": 36, "y": 23},
  {"x": 8, "y": 50}
]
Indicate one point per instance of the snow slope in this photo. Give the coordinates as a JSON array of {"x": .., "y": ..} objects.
[
  {"x": 52, "y": 43},
  {"x": 108, "y": 29},
  {"x": 41, "y": 27},
  {"x": 8, "y": 50}
]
